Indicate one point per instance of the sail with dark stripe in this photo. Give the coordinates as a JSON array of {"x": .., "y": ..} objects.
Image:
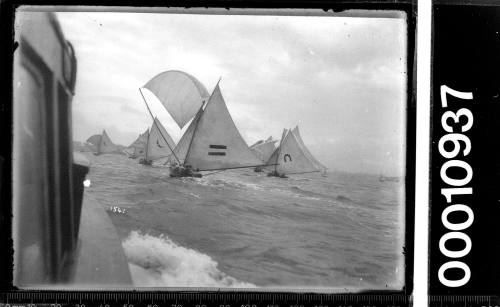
[{"x": 216, "y": 143}]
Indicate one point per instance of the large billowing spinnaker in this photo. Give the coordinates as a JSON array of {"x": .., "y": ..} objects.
[{"x": 180, "y": 93}]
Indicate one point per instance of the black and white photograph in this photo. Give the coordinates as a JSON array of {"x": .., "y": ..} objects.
[{"x": 210, "y": 148}]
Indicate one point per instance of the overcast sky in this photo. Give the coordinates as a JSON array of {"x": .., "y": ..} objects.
[{"x": 341, "y": 79}]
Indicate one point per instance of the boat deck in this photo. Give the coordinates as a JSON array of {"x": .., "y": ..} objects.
[{"x": 101, "y": 260}]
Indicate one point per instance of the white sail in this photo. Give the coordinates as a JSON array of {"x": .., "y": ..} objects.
[
  {"x": 290, "y": 157},
  {"x": 273, "y": 159},
  {"x": 181, "y": 149},
  {"x": 318, "y": 164},
  {"x": 180, "y": 93},
  {"x": 256, "y": 143},
  {"x": 264, "y": 150},
  {"x": 216, "y": 143},
  {"x": 160, "y": 144},
  {"x": 138, "y": 147},
  {"x": 106, "y": 145}
]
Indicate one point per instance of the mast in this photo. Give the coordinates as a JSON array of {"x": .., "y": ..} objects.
[
  {"x": 147, "y": 147},
  {"x": 152, "y": 117},
  {"x": 196, "y": 125},
  {"x": 279, "y": 151}
]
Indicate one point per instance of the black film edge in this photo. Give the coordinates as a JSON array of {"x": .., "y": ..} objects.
[
  {"x": 12, "y": 296},
  {"x": 464, "y": 243}
]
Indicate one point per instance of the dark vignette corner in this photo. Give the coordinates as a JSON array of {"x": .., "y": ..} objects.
[{"x": 6, "y": 59}]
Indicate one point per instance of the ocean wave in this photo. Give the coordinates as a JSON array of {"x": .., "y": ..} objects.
[
  {"x": 226, "y": 183},
  {"x": 344, "y": 198},
  {"x": 160, "y": 262}
]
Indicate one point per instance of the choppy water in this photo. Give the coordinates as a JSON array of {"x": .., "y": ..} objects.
[{"x": 244, "y": 229}]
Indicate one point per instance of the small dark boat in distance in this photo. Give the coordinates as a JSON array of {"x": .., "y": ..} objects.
[{"x": 383, "y": 178}]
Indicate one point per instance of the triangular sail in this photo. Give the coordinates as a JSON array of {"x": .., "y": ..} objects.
[
  {"x": 256, "y": 143},
  {"x": 180, "y": 93},
  {"x": 217, "y": 143},
  {"x": 182, "y": 147},
  {"x": 308, "y": 154},
  {"x": 106, "y": 145},
  {"x": 273, "y": 159},
  {"x": 94, "y": 140},
  {"x": 138, "y": 147},
  {"x": 157, "y": 147},
  {"x": 291, "y": 158},
  {"x": 264, "y": 150}
]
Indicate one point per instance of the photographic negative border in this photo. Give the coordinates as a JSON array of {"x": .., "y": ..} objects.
[
  {"x": 339, "y": 7},
  {"x": 466, "y": 77}
]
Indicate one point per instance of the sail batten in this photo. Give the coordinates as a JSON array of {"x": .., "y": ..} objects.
[{"x": 216, "y": 143}]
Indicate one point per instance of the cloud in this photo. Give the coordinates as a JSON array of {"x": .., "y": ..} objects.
[{"x": 340, "y": 79}]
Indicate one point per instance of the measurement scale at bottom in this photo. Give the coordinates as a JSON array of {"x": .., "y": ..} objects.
[{"x": 197, "y": 299}]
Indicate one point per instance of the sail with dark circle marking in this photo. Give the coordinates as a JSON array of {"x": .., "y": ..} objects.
[{"x": 290, "y": 157}]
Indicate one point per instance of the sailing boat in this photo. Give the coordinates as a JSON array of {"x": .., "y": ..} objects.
[
  {"x": 263, "y": 150},
  {"x": 138, "y": 147},
  {"x": 309, "y": 155},
  {"x": 293, "y": 157},
  {"x": 93, "y": 142},
  {"x": 212, "y": 142},
  {"x": 105, "y": 145},
  {"x": 159, "y": 144}
]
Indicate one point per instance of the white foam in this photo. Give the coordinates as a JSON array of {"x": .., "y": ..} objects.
[{"x": 159, "y": 262}]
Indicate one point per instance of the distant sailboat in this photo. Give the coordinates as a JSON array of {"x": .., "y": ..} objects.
[
  {"x": 138, "y": 147},
  {"x": 263, "y": 150},
  {"x": 105, "y": 145},
  {"x": 93, "y": 142},
  {"x": 309, "y": 155},
  {"x": 159, "y": 144},
  {"x": 292, "y": 157},
  {"x": 383, "y": 178}
]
